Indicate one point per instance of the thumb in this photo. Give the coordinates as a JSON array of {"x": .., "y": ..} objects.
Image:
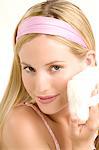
[{"x": 74, "y": 126}]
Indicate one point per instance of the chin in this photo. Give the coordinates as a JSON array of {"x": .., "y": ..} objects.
[{"x": 49, "y": 109}]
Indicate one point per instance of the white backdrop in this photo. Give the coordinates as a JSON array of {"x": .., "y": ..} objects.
[{"x": 10, "y": 13}]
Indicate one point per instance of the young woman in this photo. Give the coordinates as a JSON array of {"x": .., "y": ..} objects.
[{"x": 52, "y": 42}]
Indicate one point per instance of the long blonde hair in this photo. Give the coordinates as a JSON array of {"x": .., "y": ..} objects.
[{"x": 61, "y": 9}]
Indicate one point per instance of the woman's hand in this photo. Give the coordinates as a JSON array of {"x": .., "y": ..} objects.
[{"x": 83, "y": 135}]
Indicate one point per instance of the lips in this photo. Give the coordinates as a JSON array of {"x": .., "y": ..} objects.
[{"x": 47, "y": 99}]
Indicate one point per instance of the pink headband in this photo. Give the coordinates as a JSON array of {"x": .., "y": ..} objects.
[{"x": 49, "y": 25}]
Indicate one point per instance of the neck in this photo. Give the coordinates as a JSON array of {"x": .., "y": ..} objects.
[{"x": 61, "y": 116}]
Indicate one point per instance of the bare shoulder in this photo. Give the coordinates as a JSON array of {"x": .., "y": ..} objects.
[{"x": 23, "y": 130}]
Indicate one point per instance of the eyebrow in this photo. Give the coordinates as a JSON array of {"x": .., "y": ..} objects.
[{"x": 45, "y": 64}]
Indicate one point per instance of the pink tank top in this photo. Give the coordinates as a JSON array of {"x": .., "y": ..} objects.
[{"x": 45, "y": 122}]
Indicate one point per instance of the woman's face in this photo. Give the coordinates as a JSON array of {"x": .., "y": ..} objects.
[{"x": 47, "y": 65}]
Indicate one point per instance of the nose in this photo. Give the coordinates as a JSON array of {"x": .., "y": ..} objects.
[{"x": 42, "y": 83}]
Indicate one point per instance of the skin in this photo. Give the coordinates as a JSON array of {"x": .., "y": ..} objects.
[{"x": 45, "y": 76}]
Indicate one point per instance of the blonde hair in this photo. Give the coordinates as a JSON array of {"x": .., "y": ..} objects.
[{"x": 61, "y": 9}]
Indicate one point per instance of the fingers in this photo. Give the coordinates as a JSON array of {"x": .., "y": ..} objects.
[
  {"x": 96, "y": 90},
  {"x": 75, "y": 130},
  {"x": 92, "y": 125},
  {"x": 93, "y": 121}
]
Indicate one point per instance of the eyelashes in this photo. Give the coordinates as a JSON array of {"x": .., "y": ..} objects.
[
  {"x": 52, "y": 68},
  {"x": 29, "y": 69},
  {"x": 56, "y": 67}
]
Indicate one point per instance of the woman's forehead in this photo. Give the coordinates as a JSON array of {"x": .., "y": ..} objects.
[
  {"x": 43, "y": 50},
  {"x": 43, "y": 45}
]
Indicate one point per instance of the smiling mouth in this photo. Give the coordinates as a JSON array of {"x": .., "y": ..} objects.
[{"x": 47, "y": 99}]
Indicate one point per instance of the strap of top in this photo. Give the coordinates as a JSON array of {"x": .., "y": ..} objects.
[{"x": 45, "y": 122}]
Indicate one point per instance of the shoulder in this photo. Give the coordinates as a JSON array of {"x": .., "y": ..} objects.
[{"x": 23, "y": 128}]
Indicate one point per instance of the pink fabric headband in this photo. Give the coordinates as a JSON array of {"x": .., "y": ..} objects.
[{"x": 49, "y": 25}]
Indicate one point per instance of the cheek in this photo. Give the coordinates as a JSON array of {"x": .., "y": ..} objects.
[
  {"x": 60, "y": 82},
  {"x": 27, "y": 82}
]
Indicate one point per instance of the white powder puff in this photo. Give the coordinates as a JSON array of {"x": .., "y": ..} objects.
[{"x": 79, "y": 91}]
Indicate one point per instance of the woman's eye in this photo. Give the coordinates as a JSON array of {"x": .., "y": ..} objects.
[
  {"x": 29, "y": 69},
  {"x": 56, "y": 68}
]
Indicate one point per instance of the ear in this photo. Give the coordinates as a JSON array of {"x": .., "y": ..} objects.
[{"x": 90, "y": 58}]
